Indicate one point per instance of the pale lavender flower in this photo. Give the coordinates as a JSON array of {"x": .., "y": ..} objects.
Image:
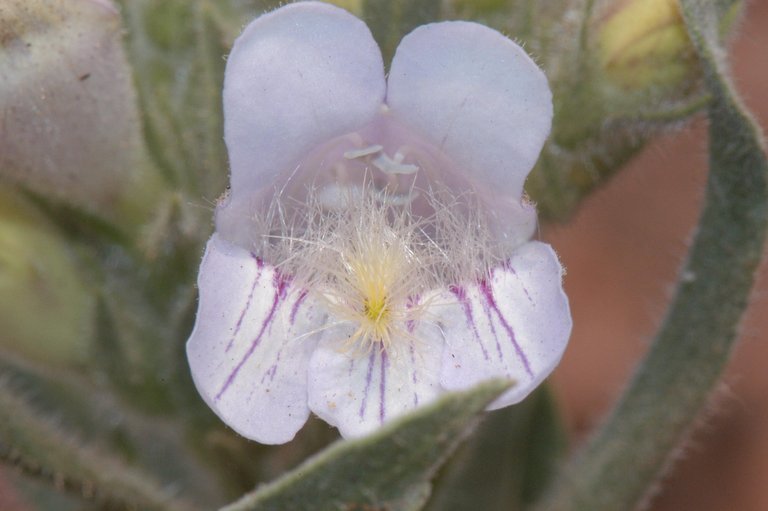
[{"x": 373, "y": 251}]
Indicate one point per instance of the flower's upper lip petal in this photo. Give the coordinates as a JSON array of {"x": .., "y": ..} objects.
[
  {"x": 296, "y": 77},
  {"x": 476, "y": 95},
  {"x": 514, "y": 325},
  {"x": 251, "y": 344}
]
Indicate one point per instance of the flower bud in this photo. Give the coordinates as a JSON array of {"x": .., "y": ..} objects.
[
  {"x": 46, "y": 312},
  {"x": 70, "y": 128},
  {"x": 644, "y": 43}
]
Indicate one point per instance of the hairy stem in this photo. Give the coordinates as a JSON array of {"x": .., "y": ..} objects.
[
  {"x": 37, "y": 447},
  {"x": 671, "y": 387}
]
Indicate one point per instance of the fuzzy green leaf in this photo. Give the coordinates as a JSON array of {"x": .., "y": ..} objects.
[
  {"x": 673, "y": 383},
  {"x": 86, "y": 409},
  {"x": 39, "y": 448},
  {"x": 388, "y": 470},
  {"x": 178, "y": 50},
  {"x": 506, "y": 462}
]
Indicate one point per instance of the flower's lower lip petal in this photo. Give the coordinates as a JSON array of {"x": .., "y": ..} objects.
[
  {"x": 514, "y": 325},
  {"x": 251, "y": 344},
  {"x": 358, "y": 392}
]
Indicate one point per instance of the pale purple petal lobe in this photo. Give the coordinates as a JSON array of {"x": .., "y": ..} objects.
[
  {"x": 515, "y": 325},
  {"x": 251, "y": 344},
  {"x": 358, "y": 392},
  {"x": 296, "y": 77},
  {"x": 477, "y": 96}
]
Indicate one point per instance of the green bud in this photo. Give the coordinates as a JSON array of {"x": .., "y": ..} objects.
[
  {"x": 70, "y": 128},
  {"x": 621, "y": 75},
  {"x": 644, "y": 43},
  {"x": 46, "y": 311}
]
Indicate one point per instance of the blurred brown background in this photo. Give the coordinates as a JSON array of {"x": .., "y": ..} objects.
[{"x": 622, "y": 252}]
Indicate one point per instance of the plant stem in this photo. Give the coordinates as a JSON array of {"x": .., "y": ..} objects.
[{"x": 671, "y": 387}]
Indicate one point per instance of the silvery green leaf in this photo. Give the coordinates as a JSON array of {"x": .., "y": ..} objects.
[{"x": 388, "y": 469}]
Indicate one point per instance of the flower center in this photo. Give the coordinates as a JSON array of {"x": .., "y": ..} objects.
[
  {"x": 375, "y": 308},
  {"x": 368, "y": 267},
  {"x": 371, "y": 223},
  {"x": 374, "y": 263}
]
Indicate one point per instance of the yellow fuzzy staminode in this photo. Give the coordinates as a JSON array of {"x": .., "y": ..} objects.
[{"x": 370, "y": 284}]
